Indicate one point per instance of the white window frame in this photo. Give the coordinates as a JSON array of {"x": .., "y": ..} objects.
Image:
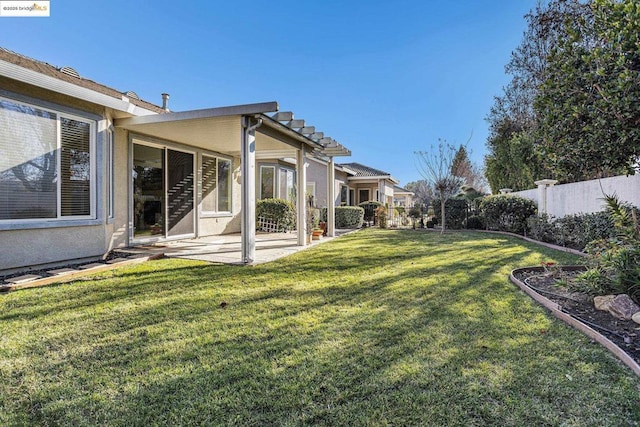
[
  {"x": 110, "y": 173},
  {"x": 208, "y": 213},
  {"x": 275, "y": 181},
  {"x": 92, "y": 166}
]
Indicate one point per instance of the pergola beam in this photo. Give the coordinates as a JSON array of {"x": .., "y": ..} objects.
[{"x": 283, "y": 116}]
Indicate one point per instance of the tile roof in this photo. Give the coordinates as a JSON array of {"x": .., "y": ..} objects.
[
  {"x": 362, "y": 170},
  {"x": 401, "y": 190},
  {"x": 52, "y": 71}
]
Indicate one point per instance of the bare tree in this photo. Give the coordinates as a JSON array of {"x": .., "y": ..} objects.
[{"x": 435, "y": 166}]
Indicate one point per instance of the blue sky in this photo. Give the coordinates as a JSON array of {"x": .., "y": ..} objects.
[{"x": 384, "y": 78}]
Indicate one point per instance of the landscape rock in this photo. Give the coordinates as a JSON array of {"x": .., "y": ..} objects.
[
  {"x": 603, "y": 302},
  {"x": 623, "y": 307},
  {"x": 636, "y": 317}
]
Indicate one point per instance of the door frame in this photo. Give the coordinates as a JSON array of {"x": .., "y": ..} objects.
[{"x": 164, "y": 146}]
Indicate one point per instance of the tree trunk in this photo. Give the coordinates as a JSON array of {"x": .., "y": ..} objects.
[{"x": 444, "y": 220}]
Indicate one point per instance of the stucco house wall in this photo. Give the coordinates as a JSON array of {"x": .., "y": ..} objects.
[{"x": 28, "y": 243}]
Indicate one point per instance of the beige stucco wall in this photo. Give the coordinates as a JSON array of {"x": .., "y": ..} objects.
[
  {"x": 118, "y": 229},
  {"x": 317, "y": 173},
  {"x": 20, "y": 248},
  {"x": 24, "y": 244}
]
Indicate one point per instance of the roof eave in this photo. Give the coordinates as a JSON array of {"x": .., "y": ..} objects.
[{"x": 35, "y": 78}]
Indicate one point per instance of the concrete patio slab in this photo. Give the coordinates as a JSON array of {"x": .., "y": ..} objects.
[{"x": 226, "y": 249}]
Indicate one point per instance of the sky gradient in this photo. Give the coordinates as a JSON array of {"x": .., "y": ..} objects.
[{"x": 384, "y": 78}]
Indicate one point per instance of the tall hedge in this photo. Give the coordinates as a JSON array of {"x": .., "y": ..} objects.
[
  {"x": 456, "y": 211},
  {"x": 346, "y": 216},
  {"x": 279, "y": 210},
  {"x": 507, "y": 212}
]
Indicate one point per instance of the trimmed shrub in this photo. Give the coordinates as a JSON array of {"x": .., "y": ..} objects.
[
  {"x": 456, "y": 211},
  {"x": 507, "y": 213},
  {"x": 573, "y": 231},
  {"x": 346, "y": 216},
  {"x": 474, "y": 222},
  {"x": 283, "y": 212}
]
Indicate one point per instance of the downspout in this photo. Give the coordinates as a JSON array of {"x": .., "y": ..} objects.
[{"x": 248, "y": 161}]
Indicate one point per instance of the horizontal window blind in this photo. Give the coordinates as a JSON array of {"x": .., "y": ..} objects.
[
  {"x": 45, "y": 163},
  {"x": 75, "y": 167},
  {"x": 28, "y": 162}
]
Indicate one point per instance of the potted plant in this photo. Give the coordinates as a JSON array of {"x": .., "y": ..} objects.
[{"x": 316, "y": 234}]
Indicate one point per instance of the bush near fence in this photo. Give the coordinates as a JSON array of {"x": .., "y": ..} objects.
[
  {"x": 572, "y": 231},
  {"x": 346, "y": 216},
  {"x": 507, "y": 213},
  {"x": 456, "y": 211},
  {"x": 277, "y": 211}
]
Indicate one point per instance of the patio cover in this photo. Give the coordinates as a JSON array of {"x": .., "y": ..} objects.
[{"x": 247, "y": 132}]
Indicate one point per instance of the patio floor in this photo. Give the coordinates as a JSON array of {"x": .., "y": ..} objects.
[{"x": 226, "y": 249}]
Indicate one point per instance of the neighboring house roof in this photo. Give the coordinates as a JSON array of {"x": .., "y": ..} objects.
[
  {"x": 363, "y": 171},
  {"x": 399, "y": 190},
  {"x": 69, "y": 75}
]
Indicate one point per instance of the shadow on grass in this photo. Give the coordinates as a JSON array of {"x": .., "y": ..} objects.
[{"x": 377, "y": 327}]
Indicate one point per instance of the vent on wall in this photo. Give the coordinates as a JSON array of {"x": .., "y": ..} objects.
[
  {"x": 70, "y": 71},
  {"x": 132, "y": 94}
]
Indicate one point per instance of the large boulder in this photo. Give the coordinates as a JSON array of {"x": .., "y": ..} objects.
[{"x": 623, "y": 307}]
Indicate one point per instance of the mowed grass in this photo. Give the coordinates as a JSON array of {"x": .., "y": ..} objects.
[{"x": 379, "y": 327}]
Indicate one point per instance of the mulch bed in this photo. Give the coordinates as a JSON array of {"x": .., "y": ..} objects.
[{"x": 624, "y": 333}]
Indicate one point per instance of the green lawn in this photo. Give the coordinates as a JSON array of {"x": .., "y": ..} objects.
[{"x": 379, "y": 327}]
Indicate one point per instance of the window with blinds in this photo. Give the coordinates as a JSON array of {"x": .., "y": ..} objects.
[
  {"x": 45, "y": 164},
  {"x": 216, "y": 184}
]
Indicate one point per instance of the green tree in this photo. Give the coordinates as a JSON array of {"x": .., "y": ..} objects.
[
  {"x": 513, "y": 159},
  {"x": 463, "y": 168},
  {"x": 588, "y": 110}
]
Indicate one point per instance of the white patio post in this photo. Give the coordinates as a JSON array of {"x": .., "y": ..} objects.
[
  {"x": 301, "y": 173},
  {"x": 331, "y": 198},
  {"x": 248, "y": 174},
  {"x": 543, "y": 184}
]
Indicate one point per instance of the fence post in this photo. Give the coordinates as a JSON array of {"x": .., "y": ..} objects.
[{"x": 543, "y": 184}]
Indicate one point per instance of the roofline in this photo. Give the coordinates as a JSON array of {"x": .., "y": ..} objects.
[
  {"x": 346, "y": 169},
  {"x": 207, "y": 113},
  {"x": 35, "y": 78},
  {"x": 369, "y": 177}
]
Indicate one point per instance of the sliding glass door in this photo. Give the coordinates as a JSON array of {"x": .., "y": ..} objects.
[
  {"x": 148, "y": 191},
  {"x": 163, "y": 192},
  {"x": 180, "y": 193}
]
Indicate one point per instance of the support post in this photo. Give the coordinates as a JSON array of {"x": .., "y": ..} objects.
[
  {"x": 301, "y": 173},
  {"x": 331, "y": 198},
  {"x": 248, "y": 177}
]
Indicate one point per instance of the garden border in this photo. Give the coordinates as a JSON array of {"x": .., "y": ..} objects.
[{"x": 591, "y": 333}]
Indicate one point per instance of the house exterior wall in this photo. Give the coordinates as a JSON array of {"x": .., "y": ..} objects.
[
  {"x": 341, "y": 178},
  {"x": 35, "y": 242},
  {"x": 317, "y": 173},
  {"x": 49, "y": 241}
]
